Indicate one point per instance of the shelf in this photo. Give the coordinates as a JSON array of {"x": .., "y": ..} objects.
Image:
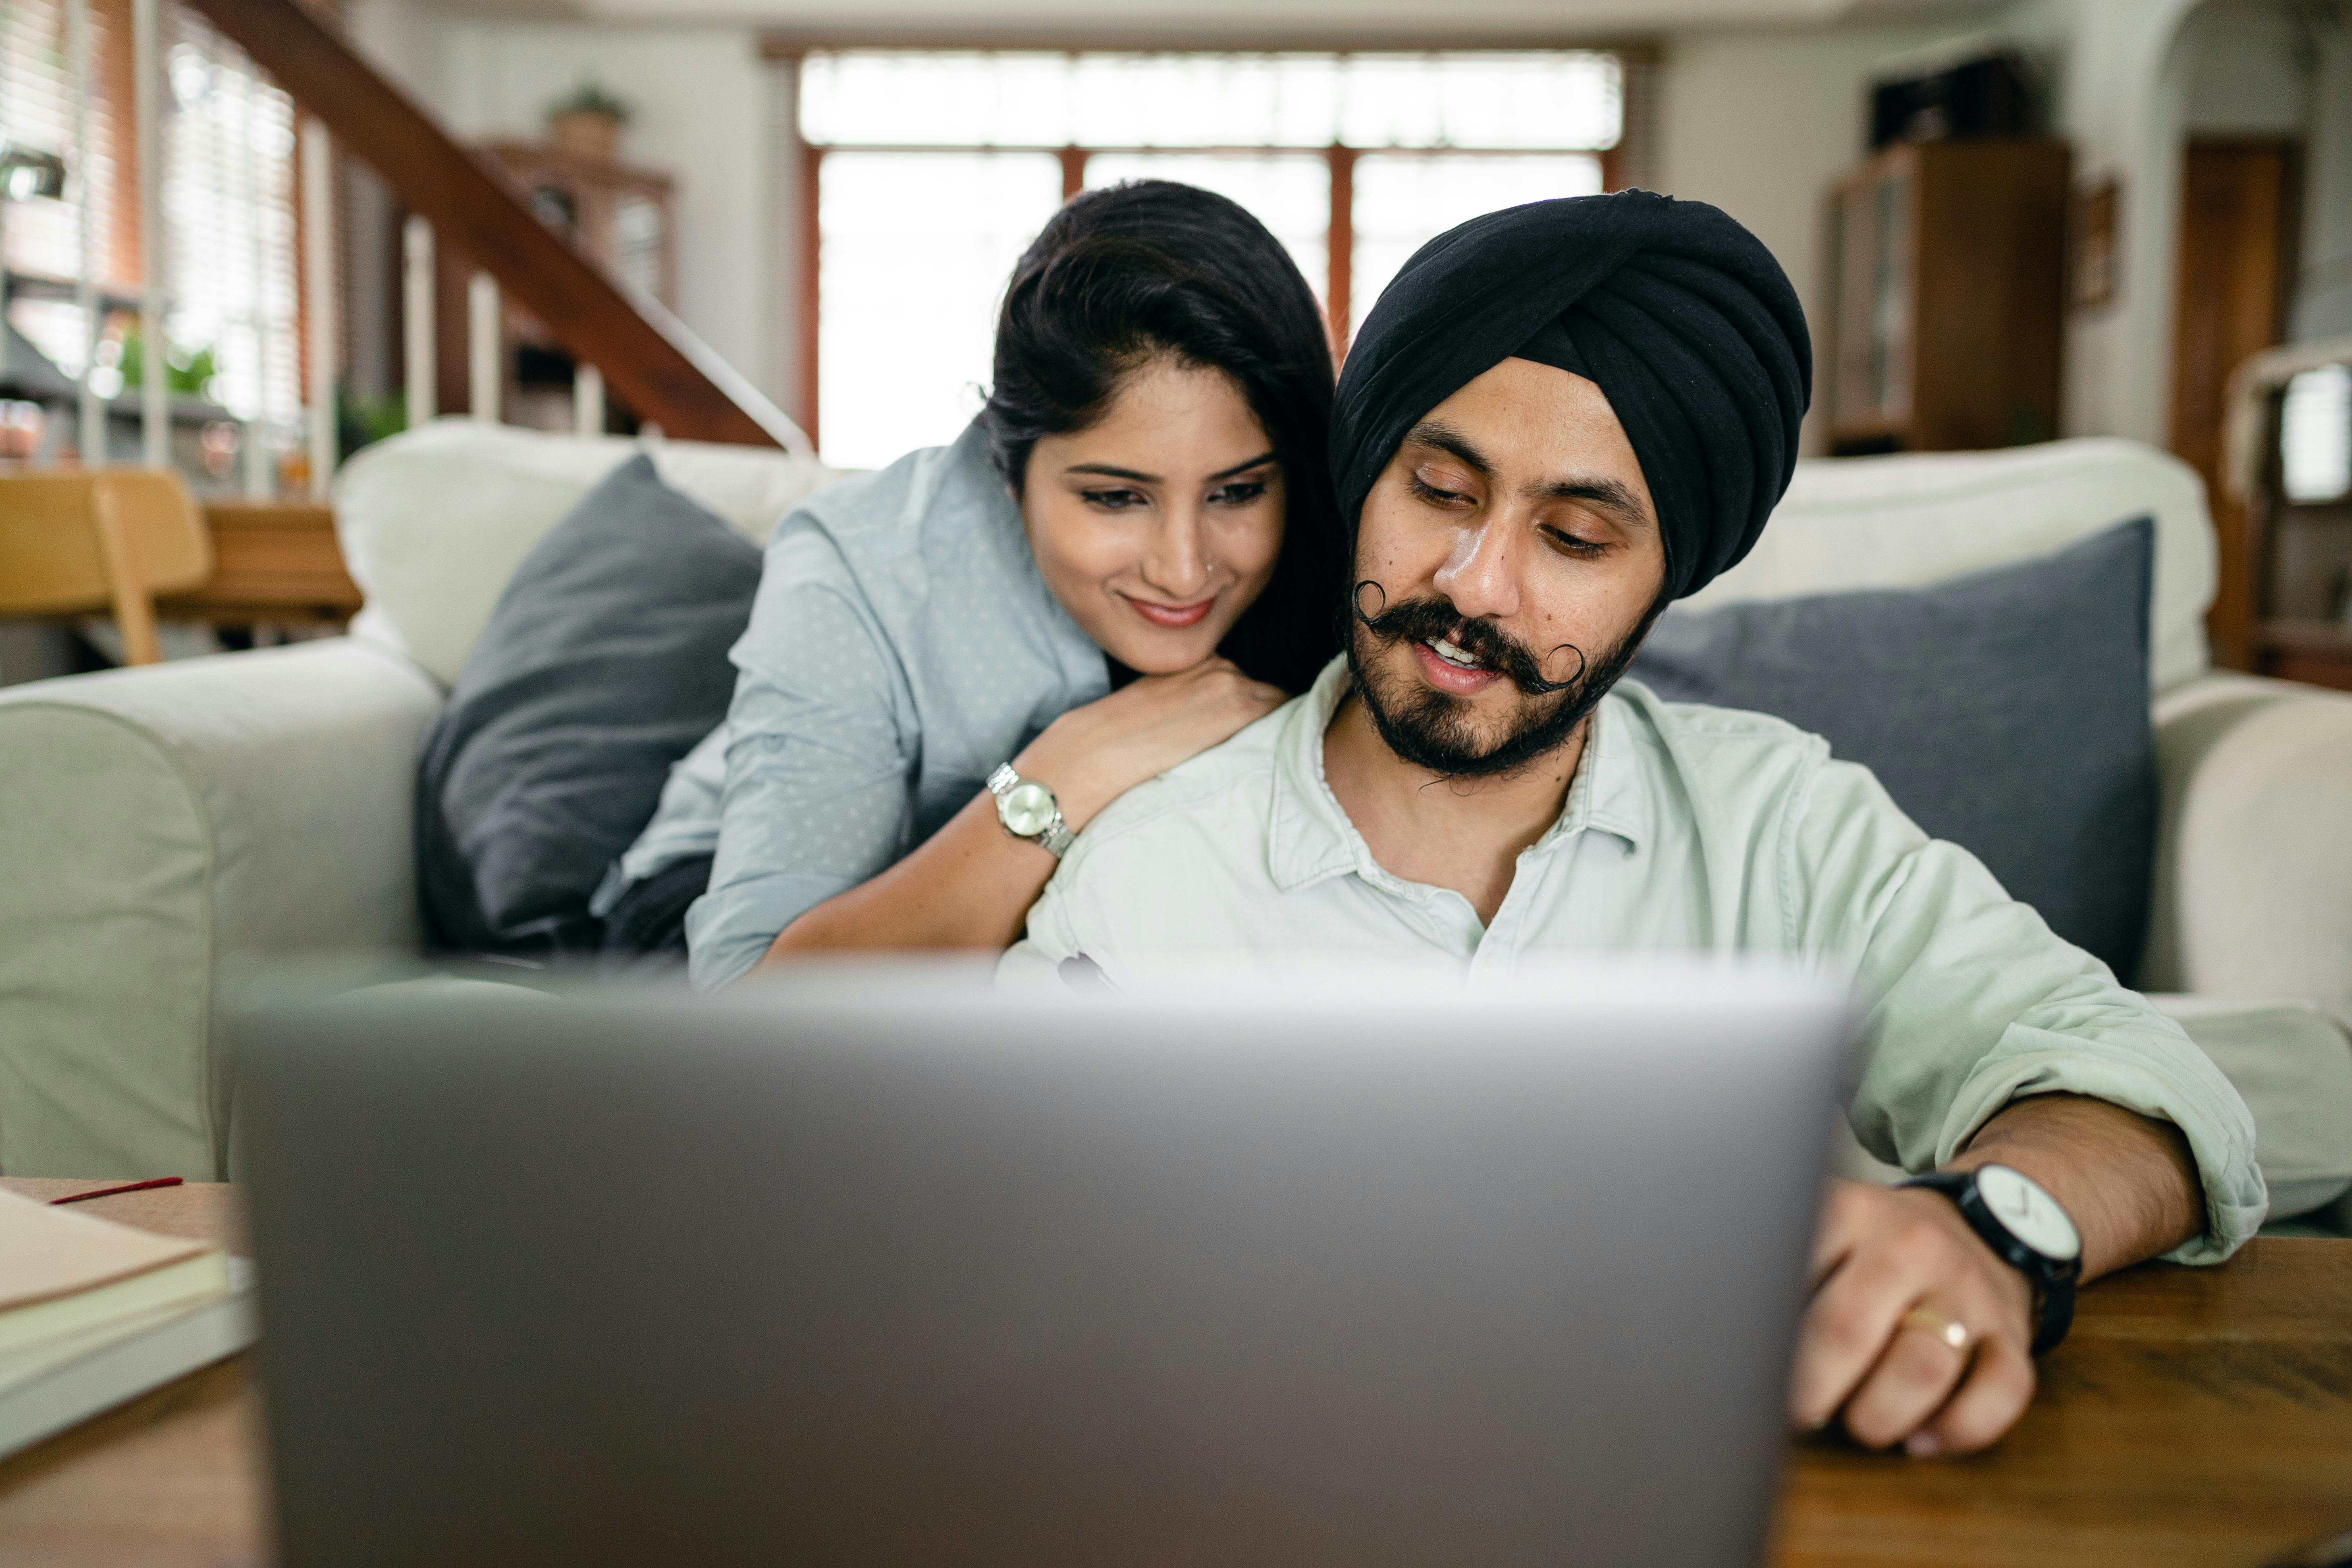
[
  {"x": 2323, "y": 637},
  {"x": 48, "y": 286},
  {"x": 2317, "y": 652}
]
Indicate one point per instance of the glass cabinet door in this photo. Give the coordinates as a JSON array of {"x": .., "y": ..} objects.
[{"x": 1870, "y": 251}]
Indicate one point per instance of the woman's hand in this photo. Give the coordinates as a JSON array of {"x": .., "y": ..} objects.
[
  {"x": 1091, "y": 755},
  {"x": 970, "y": 885}
]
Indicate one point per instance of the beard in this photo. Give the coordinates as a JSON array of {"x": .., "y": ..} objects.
[{"x": 1436, "y": 729}]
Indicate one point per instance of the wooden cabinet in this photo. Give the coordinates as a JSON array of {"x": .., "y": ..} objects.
[
  {"x": 621, "y": 215},
  {"x": 1946, "y": 280}
]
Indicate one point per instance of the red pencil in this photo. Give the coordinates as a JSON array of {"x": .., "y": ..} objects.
[{"x": 125, "y": 1187}]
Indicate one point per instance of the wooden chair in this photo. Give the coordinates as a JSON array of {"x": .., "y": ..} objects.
[{"x": 104, "y": 541}]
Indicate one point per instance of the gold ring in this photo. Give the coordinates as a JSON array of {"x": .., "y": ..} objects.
[{"x": 1936, "y": 1326}]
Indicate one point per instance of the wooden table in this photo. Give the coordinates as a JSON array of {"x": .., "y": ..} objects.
[
  {"x": 275, "y": 562},
  {"x": 172, "y": 1480},
  {"x": 2197, "y": 1416}
]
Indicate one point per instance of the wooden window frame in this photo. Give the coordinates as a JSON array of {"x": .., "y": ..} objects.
[{"x": 1340, "y": 157}]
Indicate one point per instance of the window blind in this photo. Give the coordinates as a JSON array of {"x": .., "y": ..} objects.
[
  {"x": 227, "y": 199},
  {"x": 37, "y": 110},
  {"x": 228, "y": 219}
]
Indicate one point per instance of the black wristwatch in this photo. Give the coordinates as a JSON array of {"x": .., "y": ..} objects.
[{"x": 2027, "y": 1230}]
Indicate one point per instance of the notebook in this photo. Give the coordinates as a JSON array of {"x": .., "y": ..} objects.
[{"x": 93, "y": 1313}]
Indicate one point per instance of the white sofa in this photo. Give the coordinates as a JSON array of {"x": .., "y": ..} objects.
[{"x": 163, "y": 830}]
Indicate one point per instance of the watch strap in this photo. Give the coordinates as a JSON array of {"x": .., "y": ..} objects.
[
  {"x": 2054, "y": 1314},
  {"x": 2053, "y": 1278}
]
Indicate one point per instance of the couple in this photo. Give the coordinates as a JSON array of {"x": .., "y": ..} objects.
[{"x": 981, "y": 688}]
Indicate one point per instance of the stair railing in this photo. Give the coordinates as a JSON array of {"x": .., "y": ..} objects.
[{"x": 667, "y": 374}]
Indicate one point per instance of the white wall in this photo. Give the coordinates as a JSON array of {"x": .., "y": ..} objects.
[
  {"x": 2254, "y": 68},
  {"x": 2119, "y": 90},
  {"x": 2136, "y": 78},
  {"x": 2243, "y": 75},
  {"x": 403, "y": 40},
  {"x": 2323, "y": 305},
  {"x": 1760, "y": 124}
]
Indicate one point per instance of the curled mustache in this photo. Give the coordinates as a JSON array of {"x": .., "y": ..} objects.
[{"x": 1432, "y": 620}]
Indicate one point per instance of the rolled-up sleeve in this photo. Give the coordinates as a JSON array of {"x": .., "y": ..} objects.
[
  {"x": 1050, "y": 937},
  {"x": 1972, "y": 1002},
  {"x": 820, "y": 747}
]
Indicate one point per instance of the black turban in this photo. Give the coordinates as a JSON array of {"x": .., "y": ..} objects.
[{"x": 1680, "y": 315}]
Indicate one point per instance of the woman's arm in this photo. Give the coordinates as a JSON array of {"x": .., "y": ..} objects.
[{"x": 972, "y": 883}]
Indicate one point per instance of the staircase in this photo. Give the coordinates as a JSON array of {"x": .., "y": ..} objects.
[{"x": 668, "y": 376}]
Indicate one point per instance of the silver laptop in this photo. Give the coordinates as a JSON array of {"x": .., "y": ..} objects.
[{"x": 882, "y": 1266}]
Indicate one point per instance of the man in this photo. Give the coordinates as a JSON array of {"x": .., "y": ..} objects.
[{"x": 1559, "y": 419}]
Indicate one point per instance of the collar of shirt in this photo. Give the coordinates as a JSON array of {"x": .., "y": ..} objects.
[{"x": 1310, "y": 838}]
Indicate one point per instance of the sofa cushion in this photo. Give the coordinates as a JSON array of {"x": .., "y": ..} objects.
[
  {"x": 435, "y": 521},
  {"x": 1916, "y": 518},
  {"x": 2006, "y": 712},
  {"x": 605, "y": 662}
]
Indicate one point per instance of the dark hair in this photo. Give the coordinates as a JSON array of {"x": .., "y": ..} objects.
[{"x": 1123, "y": 276}]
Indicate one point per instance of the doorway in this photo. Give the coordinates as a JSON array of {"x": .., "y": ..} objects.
[{"x": 2239, "y": 217}]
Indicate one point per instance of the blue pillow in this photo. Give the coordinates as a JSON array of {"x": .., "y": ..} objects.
[
  {"x": 2006, "y": 712},
  {"x": 603, "y": 663}
]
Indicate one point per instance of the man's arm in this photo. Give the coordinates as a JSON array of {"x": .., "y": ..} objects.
[
  {"x": 1974, "y": 1007},
  {"x": 2127, "y": 1183},
  {"x": 1991, "y": 1041}
]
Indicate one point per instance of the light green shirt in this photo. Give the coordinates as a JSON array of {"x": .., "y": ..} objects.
[{"x": 1685, "y": 828}]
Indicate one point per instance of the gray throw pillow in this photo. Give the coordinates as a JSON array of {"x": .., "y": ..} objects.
[
  {"x": 2006, "y": 712},
  {"x": 603, "y": 663}
]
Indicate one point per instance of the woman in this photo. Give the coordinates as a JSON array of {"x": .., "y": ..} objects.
[{"x": 1128, "y": 556}]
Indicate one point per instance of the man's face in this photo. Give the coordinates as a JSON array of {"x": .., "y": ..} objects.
[{"x": 1506, "y": 561}]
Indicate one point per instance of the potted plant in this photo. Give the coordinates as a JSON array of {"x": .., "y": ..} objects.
[{"x": 588, "y": 120}]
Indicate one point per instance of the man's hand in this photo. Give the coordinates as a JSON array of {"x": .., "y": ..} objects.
[
  {"x": 2126, "y": 1182},
  {"x": 1882, "y": 1253}
]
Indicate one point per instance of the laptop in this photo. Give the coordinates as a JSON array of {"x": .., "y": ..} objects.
[{"x": 879, "y": 1265}]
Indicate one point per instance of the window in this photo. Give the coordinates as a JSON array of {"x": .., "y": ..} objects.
[
  {"x": 228, "y": 195},
  {"x": 916, "y": 247},
  {"x": 933, "y": 169},
  {"x": 228, "y": 220},
  {"x": 2316, "y": 435},
  {"x": 43, "y": 242}
]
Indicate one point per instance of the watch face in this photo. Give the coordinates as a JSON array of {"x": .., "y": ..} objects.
[
  {"x": 1027, "y": 809},
  {"x": 2031, "y": 1214}
]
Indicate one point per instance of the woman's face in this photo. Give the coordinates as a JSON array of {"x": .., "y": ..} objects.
[{"x": 1156, "y": 526}]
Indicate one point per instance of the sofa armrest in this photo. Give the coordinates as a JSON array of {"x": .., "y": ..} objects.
[
  {"x": 2253, "y": 866},
  {"x": 158, "y": 826}
]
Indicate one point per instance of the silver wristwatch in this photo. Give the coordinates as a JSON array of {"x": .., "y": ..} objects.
[{"x": 1029, "y": 810}]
